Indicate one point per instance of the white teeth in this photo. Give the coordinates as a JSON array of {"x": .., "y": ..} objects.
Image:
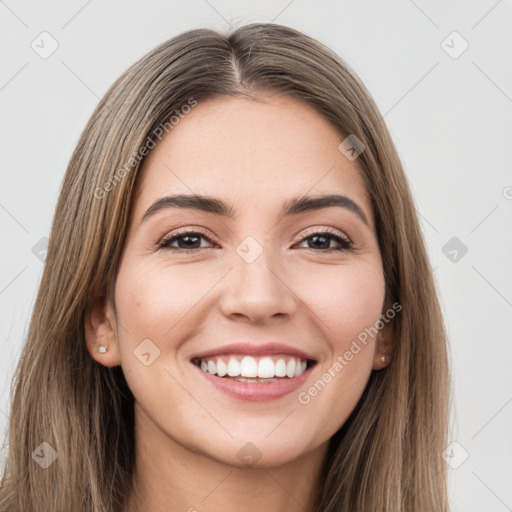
[
  {"x": 222, "y": 369},
  {"x": 248, "y": 367},
  {"x": 251, "y": 369},
  {"x": 280, "y": 369},
  {"x": 266, "y": 368},
  {"x": 212, "y": 368},
  {"x": 233, "y": 367},
  {"x": 300, "y": 368},
  {"x": 290, "y": 368}
]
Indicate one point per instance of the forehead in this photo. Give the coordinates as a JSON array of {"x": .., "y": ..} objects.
[{"x": 253, "y": 154}]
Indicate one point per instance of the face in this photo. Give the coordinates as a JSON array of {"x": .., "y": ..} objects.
[{"x": 279, "y": 298}]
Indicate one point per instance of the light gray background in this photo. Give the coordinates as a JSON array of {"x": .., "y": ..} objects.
[{"x": 450, "y": 119}]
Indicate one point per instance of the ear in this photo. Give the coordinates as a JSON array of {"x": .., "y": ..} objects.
[
  {"x": 385, "y": 342},
  {"x": 101, "y": 331}
]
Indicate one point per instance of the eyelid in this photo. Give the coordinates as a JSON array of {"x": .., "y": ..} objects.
[
  {"x": 325, "y": 229},
  {"x": 183, "y": 231}
]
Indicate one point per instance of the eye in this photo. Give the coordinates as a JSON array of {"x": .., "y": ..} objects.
[
  {"x": 322, "y": 240},
  {"x": 187, "y": 241}
]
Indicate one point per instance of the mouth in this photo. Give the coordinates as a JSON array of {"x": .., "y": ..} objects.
[
  {"x": 261, "y": 369},
  {"x": 255, "y": 372}
]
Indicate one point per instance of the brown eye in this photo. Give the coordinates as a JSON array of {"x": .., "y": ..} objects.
[
  {"x": 188, "y": 241},
  {"x": 321, "y": 241}
]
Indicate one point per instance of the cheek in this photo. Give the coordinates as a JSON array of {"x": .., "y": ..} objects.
[
  {"x": 151, "y": 304},
  {"x": 347, "y": 299},
  {"x": 151, "y": 301}
]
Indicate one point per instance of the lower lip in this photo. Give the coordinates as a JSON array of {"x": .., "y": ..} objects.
[{"x": 256, "y": 391}]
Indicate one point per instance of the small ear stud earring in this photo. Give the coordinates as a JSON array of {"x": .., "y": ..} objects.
[
  {"x": 102, "y": 349},
  {"x": 383, "y": 359}
]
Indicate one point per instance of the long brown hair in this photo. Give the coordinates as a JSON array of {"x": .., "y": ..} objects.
[{"x": 387, "y": 455}]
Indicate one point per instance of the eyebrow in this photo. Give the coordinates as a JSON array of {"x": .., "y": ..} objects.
[{"x": 218, "y": 207}]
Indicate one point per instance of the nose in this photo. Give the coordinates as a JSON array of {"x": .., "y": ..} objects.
[{"x": 258, "y": 291}]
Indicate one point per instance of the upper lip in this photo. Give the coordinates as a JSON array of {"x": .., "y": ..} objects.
[{"x": 252, "y": 349}]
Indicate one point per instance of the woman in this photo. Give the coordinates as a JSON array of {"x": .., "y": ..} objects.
[{"x": 237, "y": 310}]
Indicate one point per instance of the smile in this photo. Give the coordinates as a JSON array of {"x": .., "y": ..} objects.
[{"x": 254, "y": 369}]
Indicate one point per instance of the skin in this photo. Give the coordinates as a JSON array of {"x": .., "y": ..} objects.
[{"x": 254, "y": 155}]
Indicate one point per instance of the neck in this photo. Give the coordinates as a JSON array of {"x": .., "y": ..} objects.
[{"x": 169, "y": 476}]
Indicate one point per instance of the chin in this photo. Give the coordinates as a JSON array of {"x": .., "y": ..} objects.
[{"x": 258, "y": 453}]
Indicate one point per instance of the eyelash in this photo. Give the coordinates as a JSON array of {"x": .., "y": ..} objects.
[{"x": 345, "y": 243}]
